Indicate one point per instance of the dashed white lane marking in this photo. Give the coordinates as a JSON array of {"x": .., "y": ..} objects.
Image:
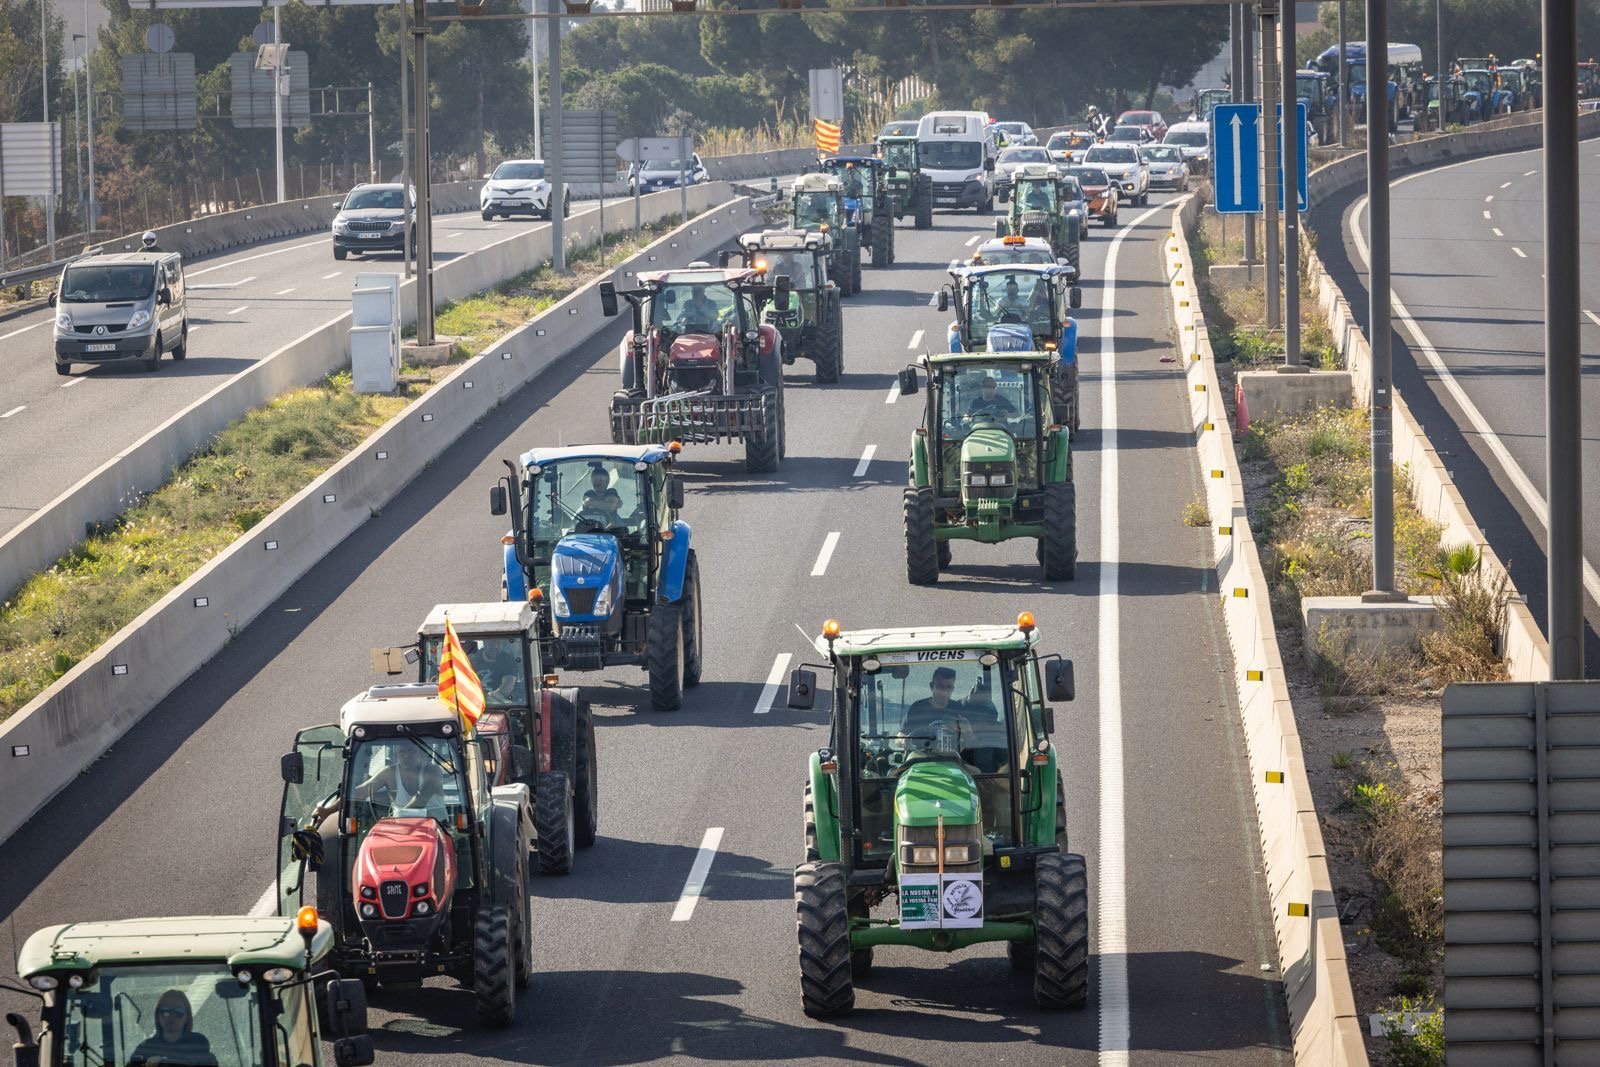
[
  {"x": 894, "y": 393},
  {"x": 1489, "y": 199},
  {"x": 1505, "y": 185},
  {"x": 267, "y": 904},
  {"x": 335, "y": 274},
  {"x": 69, "y": 385},
  {"x": 25, "y": 329},
  {"x": 974, "y": 239},
  {"x": 1529, "y": 173},
  {"x": 933, "y": 302},
  {"x": 871, "y": 450},
  {"x": 13, "y": 411},
  {"x": 1487, "y": 215},
  {"x": 230, "y": 264},
  {"x": 1497, "y": 232},
  {"x": 829, "y": 543},
  {"x": 695, "y": 887},
  {"x": 284, "y": 292},
  {"x": 224, "y": 285},
  {"x": 1592, "y": 316},
  {"x": 1520, "y": 253},
  {"x": 769, "y": 691},
  {"x": 916, "y": 339},
  {"x": 242, "y": 307}
]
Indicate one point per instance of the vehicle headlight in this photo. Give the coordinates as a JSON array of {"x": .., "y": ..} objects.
[
  {"x": 558, "y": 602},
  {"x": 139, "y": 319},
  {"x": 340, "y": 226},
  {"x": 63, "y": 321},
  {"x": 958, "y": 854},
  {"x": 925, "y": 855},
  {"x": 369, "y": 911},
  {"x": 602, "y": 603}
]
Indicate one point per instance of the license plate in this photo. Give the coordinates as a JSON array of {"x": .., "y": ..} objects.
[
  {"x": 370, "y": 236},
  {"x": 100, "y": 348}
]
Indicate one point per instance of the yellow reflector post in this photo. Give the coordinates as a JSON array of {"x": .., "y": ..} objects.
[
  {"x": 1274, "y": 777},
  {"x": 1299, "y": 911},
  {"x": 1241, "y": 592},
  {"x": 1252, "y": 676}
]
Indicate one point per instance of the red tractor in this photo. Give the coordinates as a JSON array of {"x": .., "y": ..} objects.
[{"x": 701, "y": 365}]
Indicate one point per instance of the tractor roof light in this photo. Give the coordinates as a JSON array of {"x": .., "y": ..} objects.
[
  {"x": 1013, "y": 239},
  {"x": 306, "y": 921},
  {"x": 1025, "y": 622},
  {"x": 674, "y": 447},
  {"x": 508, "y": 539},
  {"x": 831, "y": 630}
]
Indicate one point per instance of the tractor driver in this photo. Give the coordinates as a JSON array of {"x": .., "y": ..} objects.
[
  {"x": 1036, "y": 197},
  {"x": 698, "y": 310},
  {"x": 1013, "y": 303},
  {"x": 412, "y": 781},
  {"x": 990, "y": 402},
  {"x": 939, "y": 706},
  {"x": 510, "y": 682}
]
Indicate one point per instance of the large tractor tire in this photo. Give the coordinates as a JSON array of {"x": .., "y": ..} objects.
[
  {"x": 555, "y": 817},
  {"x": 944, "y": 555},
  {"x": 828, "y": 344},
  {"x": 813, "y": 854},
  {"x": 494, "y": 967},
  {"x": 1061, "y": 931},
  {"x": 761, "y": 454},
  {"x": 881, "y": 232},
  {"x": 665, "y": 657},
  {"x": 891, "y": 243},
  {"x": 924, "y": 216},
  {"x": 922, "y": 548},
  {"x": 1000, "y": 228},
  {"x": 694, "y": 648},
  {"x": 1065, "y": 399},
  {"x": 855, "y": 271},
  {"x": 1058, "y": 547},
  {"x": 822, "y": 920},
  {"x": 586, "y": 795},
  {"x": 1074, "y": 253}
]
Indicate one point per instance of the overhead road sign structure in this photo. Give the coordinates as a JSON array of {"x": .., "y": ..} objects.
[
  {"x": 158, "y": 91},
  {"x": 654, "y": 149},
  {"x": 589, "y": 146},
  {"x": 1235, "y": 155},
  {"x": 253, "y": 106},
  {"x": 1305, "y": 152},
  {"x": 584, "y": 9},
  {"x": 27, "y": 150}
]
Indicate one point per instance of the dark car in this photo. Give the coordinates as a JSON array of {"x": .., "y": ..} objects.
[
  {"x": 1100, "y": 192},
  {"x": 1151, "y": 120},
  {"x": 373, "y": 219}
]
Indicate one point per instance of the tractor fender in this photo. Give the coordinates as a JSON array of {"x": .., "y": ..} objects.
[
  {"x": 825, "y": 809},
  {"x": 558, "y": 731},
  {"x": 919, "y": 459},
  {"x": 675, "y": 564},
  {"x": 510, "y": 830},
  {"x": 952, "y": 335},
  {"x": 769, "y": 337},
  {"x": 516, "y": 580},
  {"x": 1068, "y": 349},
  {"x": 769, "y": 363},
  {"x": 1058, "y": 468},
  {"x": 625, "y": 363}
]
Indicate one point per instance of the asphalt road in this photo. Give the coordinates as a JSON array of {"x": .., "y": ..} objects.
[
  {"x": 243, "y": 305},
  {"x": 179, "y": 818},
  {"x": 1468, "y": 278}
]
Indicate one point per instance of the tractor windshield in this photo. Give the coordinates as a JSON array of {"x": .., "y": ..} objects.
[
  {"x": 853, "y": 181},
  {"x": 1036, "y": 195},
  {"x": 1022, "y": 297},
  {"x": 499, "y": 660},
  {"x": 412, "y": 777},
  {"x": 694, "y": 307},
  {"x": 1479, "y": 81},
  {"x": 973, "y": 395},
  {"x": 951, "y": 708},
  {"x": 577, "y": 495},
  {"x": 813, "y": 209},
  {"x": 162, "y": 1015},
  {"x": 798, "y": 267},
  {"x": 901, "y": 156}
]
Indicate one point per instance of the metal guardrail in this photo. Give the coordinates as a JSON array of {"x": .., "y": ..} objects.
[{"x": 33, "y": 274}]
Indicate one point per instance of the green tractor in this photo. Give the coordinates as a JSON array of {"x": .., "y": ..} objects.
[
  {"x": 867, "y": 202},
  {"x": 991, "y": 462},
  {"x": 1038, "y": 209},
  {"x": 921, "y": 799},
  {"x": 190, "y": 990},
  {"x": 910, "y": 189},
  {"x": 813, "y": 324},
  {"x": 816, "y": 203}
]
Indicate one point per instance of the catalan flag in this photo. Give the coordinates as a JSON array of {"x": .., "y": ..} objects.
[
  {"x": 459, "y": 687},
  {"x": 828, "y": 134}
]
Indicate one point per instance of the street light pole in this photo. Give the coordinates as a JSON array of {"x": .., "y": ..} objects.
[
  {"x": 1344, "y": 87},
  {"x": 1289, "y": 146},
  {"x": 77, "y": 126},
  {"x": 405, "y": 130},
  {"x": 558, "y": 184},
  {"x": 1438, "y": 30},
  {"x": 1247, "y": 71},
  {"x": 533, "y": 59},
  {"x": 55, "y": 148},
  {"x": 372, "y": 139},
  {"x": 88, "y": 110},
  {"x": 1380, "y": 325},
  {"x": 419, "y": 163},
  {"x": 277, "y": 92},
  {"x": 1269, "y": 92}
]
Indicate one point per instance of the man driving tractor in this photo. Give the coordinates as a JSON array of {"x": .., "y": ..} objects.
[{"x": 989, "y": 401}]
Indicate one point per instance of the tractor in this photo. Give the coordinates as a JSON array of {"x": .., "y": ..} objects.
[
  {"x": 867, "y": 201},
  {"x": 1206, "y": 101},
  {"x": 921, "y": 801},
  {"x": 990, "y": 462},
  {"x": 107, "y": 989},
  {"x": 700, "y": 365},
  {"x": 813, "y": 325},
  {"x": 817, "y": 203},
  {"x": 1319, "y": 94},
  {"x": 420, "y": 861},
  {"x": 543, "y": 736},
  {"x": 597, "y": 547},
  {"x": 911, "y": 190},
  {"x": 1038, "y": 210},
  {"x": 989, "y": 318}
]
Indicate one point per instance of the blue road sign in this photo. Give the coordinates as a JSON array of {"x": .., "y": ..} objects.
[
  {"x": 1235, "y": 158},
  {"x": 1305, "y": 151}
]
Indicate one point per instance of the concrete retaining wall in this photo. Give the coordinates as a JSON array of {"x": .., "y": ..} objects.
[
  {"x": 1305, "y": 918},
  {"x": 77, "y": 719}
]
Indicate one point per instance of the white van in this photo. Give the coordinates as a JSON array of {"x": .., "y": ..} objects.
[{"x": 956, "y": 149}]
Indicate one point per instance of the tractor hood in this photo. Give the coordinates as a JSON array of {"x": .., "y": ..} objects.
[
  {"x": 930, "y": 788},
  {"x": 1034, "y": 224},
  {"x": 1010, "y": 337},
  {"x": 406, "y": 868},
  {"x": 695, "y": 349},
  {"x": 582, "y": 567},
  {"x": 988, "y": 444}
]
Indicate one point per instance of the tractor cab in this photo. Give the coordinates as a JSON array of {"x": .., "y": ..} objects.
[
  {"x": 867, "y": 202},
  {"x": 598, "y": 549},
  {"x": 813, "y": 324},
  {"x": 939, "y": 803},
  {"x": 419, "y": 863},
  {"x": 1038, "y": 209},
  {"x": 910, "y": 190},
  {"x": 817, "y": 204}
]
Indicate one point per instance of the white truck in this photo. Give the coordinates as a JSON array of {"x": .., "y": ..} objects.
[{"x": 957, "y": 151}]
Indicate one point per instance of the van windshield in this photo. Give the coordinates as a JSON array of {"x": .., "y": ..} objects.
[
  {"x": 108, "y": 284},
  {"x": 951, "y": 155}
]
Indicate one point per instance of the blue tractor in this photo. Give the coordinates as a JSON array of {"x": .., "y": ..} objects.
[
  {"x": 868, "y": 203},
  {"x": 596, "y": 545}
]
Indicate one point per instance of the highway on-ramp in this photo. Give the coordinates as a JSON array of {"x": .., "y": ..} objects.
[{"x": 180, "y": 816}]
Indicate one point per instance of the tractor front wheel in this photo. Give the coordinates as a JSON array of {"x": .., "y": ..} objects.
[
  {"x": 924, "y": 194},
  {"x": 556, "y": 821},
  {"x": 881, "y": 249},
  {"x": 1058, "y": 547},
  {"x": 1061, "y": 931},
  {"x": 855, "y": 272},
  {"x": 587, "y": 800},
  {"x": 665, "y": 657},
  {"x": 944, "y": 555},
  {"x": 822, "y": 918},
  {"x": 922, "y": 548},
  {"x": 494, "y": 967},
  {"x": 693, "y": 626},
  {"x": 829, "y": 352}
]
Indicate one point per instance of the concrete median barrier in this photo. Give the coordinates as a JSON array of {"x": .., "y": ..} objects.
[{"x": 48, "y": 743}]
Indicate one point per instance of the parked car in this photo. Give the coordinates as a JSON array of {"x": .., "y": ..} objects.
[
  {"x": 519, "y": 187},
  {"x": 373, "y": 219},
  {"x": 120, "y": 306},
  {"x": 1167, "y": 168},
  {"x": 1018, "y": 134},
  {"x": 1069, "y": 146},
  {"x": 1122, "y": 163},
  {"x": 652, "y": 175},
  {"x": 1007, "y": 163},
  {"x": 1100, "y": 191},
  {"x": 1149, "y": 119},
  {"x": 1194, "y": 141}
]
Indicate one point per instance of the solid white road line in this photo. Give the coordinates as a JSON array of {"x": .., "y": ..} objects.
[
  {"x": 769, "y": 691},
  {"x": 1111, "y": 920},
  {"x": 242, "y": 307},
  {"x": 13, "y": 411},
  {"x": 829, "y": 543},
  {"x": 230, "y": 264},
  {"x": 1532, "y": 498},
  {"x": 224, "y": 285},
  {"x": 25, "y": 329},
  {"x": 335, "y": 274},
  {"x": 1496, "y": 230},
  {"x": 267, "y": 904},
  {"x": 1520, "y": 253},
  {"x": 75, "y": 381},
  {"x": 916, "y": 339},
  {"x": 1592, "y": 316},
  {"x": 894, "y": 392},
  {"x": 284, "y": 292},
  {"x": 696, "y": 885},
  {"x": 871, "y": 450}
]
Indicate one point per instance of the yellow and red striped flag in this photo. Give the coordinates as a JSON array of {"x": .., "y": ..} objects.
[
  {"x": 828, "y": 134},
  {"x": 459, "y": 687}
]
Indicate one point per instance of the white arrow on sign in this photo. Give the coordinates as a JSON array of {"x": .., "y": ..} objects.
[{"x": 1238, "y": 166}]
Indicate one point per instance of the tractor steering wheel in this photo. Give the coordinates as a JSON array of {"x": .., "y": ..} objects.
[{"x": 1008, "y": 316}]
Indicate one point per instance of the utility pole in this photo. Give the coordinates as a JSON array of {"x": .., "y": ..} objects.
[
  {"x": 55, "y": 153},
  {"x": 419, "y": 166},
  {"x": 1438, "y": 31},
  {"x": 1380, "y": 326},
  {"x": 405, "y": 129},
  {"x": 1247, "y": 71},
  {"x": 1563, "y": 380},
  {"x": 1289, "y": 145},
  {"x": 1269, "y": 92},
  {"x": 1344, "y": 87},
  {"x": 277, "y": 91},
  {"x": 372, "y": 139},
  {"x": 77, "y": 124},
  {"x": 558, "y": 184},
  {"x": 88, "y": 88},
  {"x": 533, "y": 60}
]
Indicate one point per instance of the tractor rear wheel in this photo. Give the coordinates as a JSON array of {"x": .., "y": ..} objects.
[
  {"x": 922, "y": 549},
  {"x": 1074, "y": 254},
  {"x": 556, "y": 821},
  {"x": 664, "y": 656},
  {"x": 855, "y": 271},
  {"x": 1058, "y": 547},
  {"x": 891, "y": 243},
  {"x": 944, "y": 555},
  {"x": 761, "y": 453},
  {"x": 587, "y": 798},
  {"x": 880, "y": 240},
  {"x": 822, "y": 919},
  {"x": 1061, "y": 931},
  {"x": 522, "y": 935},
  {"x": 924, "y": 194},
  {"x": 693, "y": 625},
  {"x": 494, "y": 967},
  {"x": 828, "y": 351}
]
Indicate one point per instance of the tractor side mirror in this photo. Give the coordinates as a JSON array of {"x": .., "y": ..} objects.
[
  {"x": 908, "y": 382},
  {"x": 726, "y": 256},
  {"x": 674, "y": 493},
  {"x": 802, "y": 690},
  {"x": 608, "y": 299},
  {"x": 347, "y": 1007},
  {"x": 26, "y": 1050},
  {"x": 1060, "y": 683},
  {"x": 293, "y": 768},
  {"x": 781, "y": 290},
  {"x": 353, "y": 1051},
  {"x": 988, "y": 164},
  {"x": 521, "y": 762},
  {"x": 1075, "y": 298},
  {"x": 944, "y": 300},
  {"x": 52, "y": 299},
  {"x": 497, "y": 500},
  {"x": 393, "y": 660}
]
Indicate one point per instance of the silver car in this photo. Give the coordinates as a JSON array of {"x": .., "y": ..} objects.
[
  {"x": 1009, "y": 161},
  {"x": 1124, "y": 166},
  {"x": 124, "y": 306},
  {"x": 1167, "y": 168}
]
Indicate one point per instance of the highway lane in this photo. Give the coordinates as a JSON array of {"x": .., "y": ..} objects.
[
  {"x": 243, "y": 305},
  {"x": 1468, "y": 278},
  {"x": 1151, "y": 750}
]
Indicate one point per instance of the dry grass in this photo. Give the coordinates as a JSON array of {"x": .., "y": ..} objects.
[{"x": 1196, "y": 513}]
